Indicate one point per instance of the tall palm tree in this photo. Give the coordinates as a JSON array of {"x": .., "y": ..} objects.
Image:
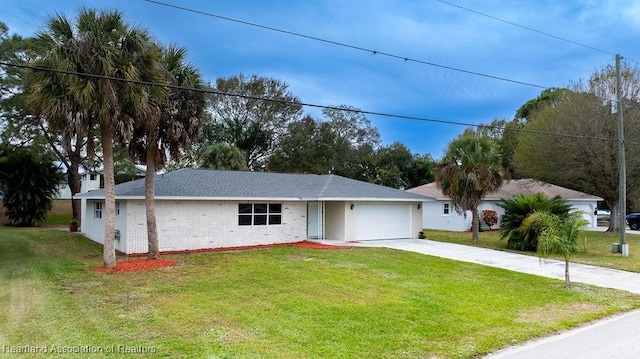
[
  {"x": 177, "y": 123},
  {"x": 470, "y": 169},
  {"x": 101, "y": 44}
]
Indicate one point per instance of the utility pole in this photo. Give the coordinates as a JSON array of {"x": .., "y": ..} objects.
[{"x": 622, "y": 168}]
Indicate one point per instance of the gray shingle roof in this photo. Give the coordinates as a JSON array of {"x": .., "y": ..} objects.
[
  {"x": 214, "y": 184},
  {"x": 511, "y": 188}
]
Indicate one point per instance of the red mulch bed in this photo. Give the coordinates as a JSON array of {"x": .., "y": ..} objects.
[
  {"x": 137, "y": 265},
  {"x": 143, "y": 264}
]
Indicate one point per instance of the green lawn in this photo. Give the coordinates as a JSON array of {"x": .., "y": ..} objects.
[
  {"x": 280, "y": 302},
  {"x": 597, "y": 244}
]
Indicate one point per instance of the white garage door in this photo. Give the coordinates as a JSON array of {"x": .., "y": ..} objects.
[{"x": 383, "y": 221}]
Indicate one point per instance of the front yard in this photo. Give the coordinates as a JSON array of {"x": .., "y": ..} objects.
[{"x": 282, "y": 302}]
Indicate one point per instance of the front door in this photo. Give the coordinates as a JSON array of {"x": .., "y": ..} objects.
[{"x": 315, "y": 220}]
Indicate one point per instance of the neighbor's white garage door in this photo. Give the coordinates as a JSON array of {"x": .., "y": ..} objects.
[{"x": 383, "y": 221}]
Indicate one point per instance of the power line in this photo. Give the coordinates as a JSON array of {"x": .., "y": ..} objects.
[
  {"x": 349, "y": 46},
  {"x": 305, "y": 104},
  {"x": 526, "y": 28}
]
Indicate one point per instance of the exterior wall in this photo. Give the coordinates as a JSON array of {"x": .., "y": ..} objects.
[
  {"x": 93, "y": 228},
  {"x": 589, "y": 209},
  {"x": 434, "y": 219},
  {"x": 88, "y": 184},
  {"x": 349, "y": 221},
  {"x": 192, "y": 225},
  {"x": 64, "y": 192},
  {"x": 335, "y": 220},
  {"x": 487, "y": 205},
  {"x": 416, "y": 220},
  {"x": 83, "y": 213}
]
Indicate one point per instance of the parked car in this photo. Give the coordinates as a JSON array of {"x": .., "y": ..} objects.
[
  {"x": 633, "y": 220},
  {"x": 603, "y": 215}
]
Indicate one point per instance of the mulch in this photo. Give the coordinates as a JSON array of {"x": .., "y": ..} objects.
[
  {"x": 137, "y": 265},
  {"x": 144, "y": 264}
]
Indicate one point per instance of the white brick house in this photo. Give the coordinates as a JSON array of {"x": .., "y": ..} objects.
[{"x": 202, "y": 209}]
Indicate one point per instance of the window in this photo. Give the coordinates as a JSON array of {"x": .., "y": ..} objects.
[
  {"x": 92, "y": 176},
  {"x": 445, "y": 208},
  {"x": 117, "y": 208},
  {"x": 98, "y": 210},
  {"x": 259, "y": 214}
]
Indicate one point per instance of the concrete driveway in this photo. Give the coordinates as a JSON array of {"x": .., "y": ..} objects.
[{"x": 615, "y": 337}]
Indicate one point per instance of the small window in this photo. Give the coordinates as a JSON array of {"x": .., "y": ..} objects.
[
  {"x": 259, "y": 219},
  {"x": 259, "y": 214},
  {"x": 244, "y": 220},
  {"x": 98, "y": 210},
  {"x": 93, "y": 177},
  {"x": 446, "y": 207},
  {"x": 117, "y": 208},
  {"x": 275, "y": 219}
]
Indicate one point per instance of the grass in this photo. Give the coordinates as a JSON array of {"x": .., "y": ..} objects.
[
  {"x": 280, "y": 302},
  {"x": 598, "y": 247},
  {"x": 59, "y": 215}
]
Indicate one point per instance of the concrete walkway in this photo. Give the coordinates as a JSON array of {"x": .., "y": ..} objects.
[{"x": 616, "y": 337}]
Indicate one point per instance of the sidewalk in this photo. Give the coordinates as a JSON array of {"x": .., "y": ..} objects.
[{"x": 616, "y": 337}]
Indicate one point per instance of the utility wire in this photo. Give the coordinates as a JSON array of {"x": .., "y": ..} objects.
[
  {"x": 305, "y": 104},
  {"x": 353, "y": 47},
  {"x": 526, "y": 28}
]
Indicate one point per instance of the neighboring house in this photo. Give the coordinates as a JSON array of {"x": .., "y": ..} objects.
[
  {"x": 201, "y": 209},
  {"x": 439, "y": 212}
]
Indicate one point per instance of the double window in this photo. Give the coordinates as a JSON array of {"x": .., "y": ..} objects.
[
  {"x": 98, "y": 210},
  {"x": 259, "y": 214},
  {"x": 98, "y": 207}
]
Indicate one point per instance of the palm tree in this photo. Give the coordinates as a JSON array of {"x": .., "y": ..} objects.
[
  {"x": 101, "y": 44},
  {"x": 558, "y": 235},
  {"x": 223, "y": 157},
  {"x": 521, "y": 206},
  {"x": 177, "y": 123},
  {"x": 470, "y": 169}
]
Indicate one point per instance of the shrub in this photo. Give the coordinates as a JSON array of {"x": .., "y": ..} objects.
[
  {"x": 29, "y": 182},
  {"x": 518, "y": 208},
  {"x": 490, "y": 217}
]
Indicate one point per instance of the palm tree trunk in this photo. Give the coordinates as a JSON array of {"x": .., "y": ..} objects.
[
  {"x": 149, "y": 199},
  {"x": 475, "y": 225},
  {"x": 74, "y": 186},
  {"x": 109, "y": 253},
  {"x": 567, "y": 282},
  {"x": 75, "y": 159}
]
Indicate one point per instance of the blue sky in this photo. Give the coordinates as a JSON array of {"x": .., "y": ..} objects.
[{"x": 426, "y": 30}]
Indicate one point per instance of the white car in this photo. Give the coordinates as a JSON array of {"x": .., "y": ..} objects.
[{"x": 603, "y": 215}]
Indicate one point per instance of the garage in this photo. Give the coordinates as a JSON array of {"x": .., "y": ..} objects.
[{"x": 382, "y": 221}]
